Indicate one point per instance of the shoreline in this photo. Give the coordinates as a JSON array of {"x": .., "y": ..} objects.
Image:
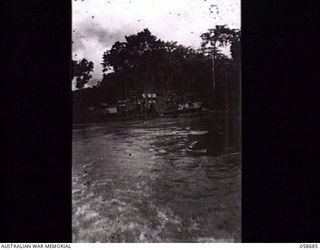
[{"x": 202, "y": 114}]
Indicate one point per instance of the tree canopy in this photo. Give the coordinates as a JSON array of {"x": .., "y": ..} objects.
[
  {"x": 143, "y": 63},
  {"x": 82, "y": 71}
]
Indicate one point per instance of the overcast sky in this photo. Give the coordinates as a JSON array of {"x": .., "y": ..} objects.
[{"x": 98, "y": 24}]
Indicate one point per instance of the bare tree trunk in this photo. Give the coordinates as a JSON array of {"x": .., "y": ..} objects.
[
  {"x": 213, "y": 65},
  {"x": 127, "y": 107},
  {"x": 226, "y": 115}
]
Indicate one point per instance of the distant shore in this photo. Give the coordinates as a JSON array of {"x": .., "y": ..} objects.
[{"x": 173, "y": 115}]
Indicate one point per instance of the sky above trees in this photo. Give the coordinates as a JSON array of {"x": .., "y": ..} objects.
[{"x": 98, "y": 24}]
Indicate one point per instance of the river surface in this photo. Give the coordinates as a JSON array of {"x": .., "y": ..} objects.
[{"x": 161, "y": 180}]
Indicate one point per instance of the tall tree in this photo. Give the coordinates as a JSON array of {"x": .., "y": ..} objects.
[
  {"x": 82, "y": 71},
  {"x": 214, "y": 39},
  {"x": 134, "y": 61},
  {"x": 149, "y": 64}
]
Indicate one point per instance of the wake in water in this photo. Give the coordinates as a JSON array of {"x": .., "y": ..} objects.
[{"x": 157, "y": 182}]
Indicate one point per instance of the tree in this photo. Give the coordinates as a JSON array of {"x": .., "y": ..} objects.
[
  {"x": 144, "y": 63},
  {"x": 82, "y": 70},
  {"x": 214, "y": 39},
  {"x": 132, "y": 60},
  {"x": 236, "y": 47}
]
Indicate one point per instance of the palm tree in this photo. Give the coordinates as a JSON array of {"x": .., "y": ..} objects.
[{"x": 214, "y": 39}]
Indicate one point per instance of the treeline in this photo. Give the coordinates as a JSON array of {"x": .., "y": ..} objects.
[{"x": 146, "y": 64}]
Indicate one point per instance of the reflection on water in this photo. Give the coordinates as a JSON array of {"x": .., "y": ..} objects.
[{"x": 163, "y": 180}]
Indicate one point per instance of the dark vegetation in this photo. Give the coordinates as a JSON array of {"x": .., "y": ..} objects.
[
  {"x": 176, "y": 73},
  {"x": 82, "y": 70}
]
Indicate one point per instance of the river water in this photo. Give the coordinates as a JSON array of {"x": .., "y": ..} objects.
[{"x": 161, "y": 180}]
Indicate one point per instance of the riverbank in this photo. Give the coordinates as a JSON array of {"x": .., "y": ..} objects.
[{"x": 85, "y": 118}]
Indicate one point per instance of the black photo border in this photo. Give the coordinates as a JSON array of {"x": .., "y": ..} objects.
[{"x": 279, "y": 71}]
